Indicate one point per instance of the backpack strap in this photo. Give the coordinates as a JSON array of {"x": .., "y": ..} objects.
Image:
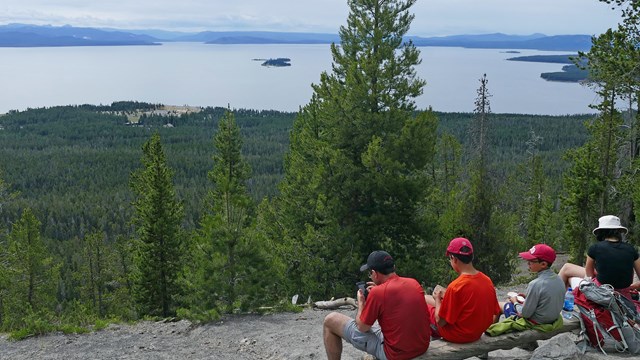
[{"x": 584, "y": 339}]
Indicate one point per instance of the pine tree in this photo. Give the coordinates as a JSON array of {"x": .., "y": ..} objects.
[
  {"x": 98, "y": 270},
  {"x": 615, "y": 74},
  {"x": 229, "y": 256},
  {"x": 356, "y": 174},
  {"x": 159, "y": 247},
  {"x": 583, "y": 186},
  {"x": 536, "y": 207},
  {"x": 604, "y": 170},
  {"x": 5, "y": 197},
  {"x": 483, "y": 223},
  {"x": 31, "y": 272}
]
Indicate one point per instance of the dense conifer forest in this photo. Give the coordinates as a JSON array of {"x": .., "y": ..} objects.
[{"x": 71, "y": 164}]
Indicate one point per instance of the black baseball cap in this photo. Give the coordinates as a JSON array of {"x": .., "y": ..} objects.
[{"x": 378, "y": 260}]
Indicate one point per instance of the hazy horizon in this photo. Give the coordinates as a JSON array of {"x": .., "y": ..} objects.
[{"x": 432, "y": 18}]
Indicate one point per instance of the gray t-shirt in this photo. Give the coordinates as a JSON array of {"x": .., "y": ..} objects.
[{"x": 544, "y": 298}]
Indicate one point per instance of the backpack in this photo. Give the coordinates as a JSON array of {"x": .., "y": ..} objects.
[{"x": 606, "y": 317}]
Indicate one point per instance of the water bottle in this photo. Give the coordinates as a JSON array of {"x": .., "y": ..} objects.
[{"x": 567, "y": 309}]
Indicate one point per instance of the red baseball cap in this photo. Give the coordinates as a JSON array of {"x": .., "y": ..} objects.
[
  {"x": 456, "y": 245},
  {"x": 542, "y": 252}
]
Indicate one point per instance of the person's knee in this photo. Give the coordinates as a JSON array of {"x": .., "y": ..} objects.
[
  {"x": 332, "y": 320},
  {"x": 335, "y": 323}
]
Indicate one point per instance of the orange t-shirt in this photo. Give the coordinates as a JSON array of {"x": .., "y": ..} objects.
[{"x": 468, "y": 307}]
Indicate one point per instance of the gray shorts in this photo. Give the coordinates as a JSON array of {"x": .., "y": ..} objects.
[{"x": 370, "y": 342}]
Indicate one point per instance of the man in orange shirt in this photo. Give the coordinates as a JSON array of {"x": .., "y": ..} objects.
[{"x": 469, "y": 305}]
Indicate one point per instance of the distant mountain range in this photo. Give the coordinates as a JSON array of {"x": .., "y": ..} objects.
[{"x": 23, "y": 35}]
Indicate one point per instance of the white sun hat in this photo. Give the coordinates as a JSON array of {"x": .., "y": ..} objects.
[{"x": 610, "y": 222}]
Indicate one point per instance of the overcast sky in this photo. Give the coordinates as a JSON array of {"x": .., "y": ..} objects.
[{"x": 432, "y": 17}]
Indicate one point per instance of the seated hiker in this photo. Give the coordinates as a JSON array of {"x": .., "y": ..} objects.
[
  {"x": 397, "y": 303},
  {"x": 543, "y": 299},
  {"x": 469, "y": 305},
  {"x": 609, "y": 261}
]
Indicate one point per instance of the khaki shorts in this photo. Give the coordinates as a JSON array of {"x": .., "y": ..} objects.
[{"x": 371, "y": 342}]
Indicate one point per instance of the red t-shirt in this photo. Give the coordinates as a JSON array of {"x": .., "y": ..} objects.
[
  {"x": 401, "y": 310},
  {"x": 468, "y": 307}
]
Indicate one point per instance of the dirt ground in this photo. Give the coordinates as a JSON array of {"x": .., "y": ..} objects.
[{"x": 278, "y": 336}]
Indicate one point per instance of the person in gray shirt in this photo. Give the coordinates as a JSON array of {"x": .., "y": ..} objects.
[{"x": 545, "y": 294}]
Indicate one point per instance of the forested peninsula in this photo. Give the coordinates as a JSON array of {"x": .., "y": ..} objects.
[{"x": 569, "y": 73}]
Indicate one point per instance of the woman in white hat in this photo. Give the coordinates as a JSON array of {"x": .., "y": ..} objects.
[{"x": 609, "y": 261}]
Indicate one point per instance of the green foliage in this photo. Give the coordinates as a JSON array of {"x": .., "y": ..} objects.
[
  {"x": 583, "y": 185},
  {"x": 43, "y": 322},
  {"x": 228, "y": 259},
  {"x": 355, "y": 174},
  {"x": 33, "y": 323},
  {"x": 603, "y": 179},
  {"x": 482, "y": 220},
  {"x": 30, "y": 273},
  {"x": 71, "y": 164},
  {"x": 159, "y": 246},
  {"x": 198, "y": 315},
  {"x": 536, "y": 208}
]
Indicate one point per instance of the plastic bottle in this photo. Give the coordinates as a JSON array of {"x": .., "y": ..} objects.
[{"x": 567, "y": 309}]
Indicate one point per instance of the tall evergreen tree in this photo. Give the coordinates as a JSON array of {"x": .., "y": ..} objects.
[
  {"x": 98, "y": 270},
  {"x": 536, "y": 209},
  {"x": 5, "y": 197},
  {"x": 355, "y": 174},
  {"x": 228, "y": 256},
  {"x": 482, "y": 221},
  {"x": 583, "y": 185},
  {"x": 610, "y": 156},
  {"x": 158, "y": 216},
  {"x": 31, "y": 271}
]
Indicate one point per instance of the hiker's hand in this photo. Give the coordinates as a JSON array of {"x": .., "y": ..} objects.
[
  {"x": 360, "y": 297},
  {"x": 438, "y": 293}
]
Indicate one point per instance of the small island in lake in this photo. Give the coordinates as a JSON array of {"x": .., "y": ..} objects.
[{"x": 275, "y": 62}]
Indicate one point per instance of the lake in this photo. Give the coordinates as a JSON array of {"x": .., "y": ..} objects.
[{"x": 221, "y": 75}]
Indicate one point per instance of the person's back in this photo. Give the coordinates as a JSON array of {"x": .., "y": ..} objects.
[
  {"x": 469, "y": 308},
  {"x": 399, "y": 306},
  {"x": 469, "y": 305},
  {"x": 614, "y": 262},
  {"x": 544, "y": 298}
]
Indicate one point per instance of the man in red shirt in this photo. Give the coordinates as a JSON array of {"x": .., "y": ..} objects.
[
  {"x": 399, "y": 306},
  {"x": 470, "y": 304}
]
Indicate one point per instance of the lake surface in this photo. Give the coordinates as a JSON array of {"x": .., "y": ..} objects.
[{"x": 221, "y": 75}]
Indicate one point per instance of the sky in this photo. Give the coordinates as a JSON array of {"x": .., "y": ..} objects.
[{"x": 432, "y": 17}]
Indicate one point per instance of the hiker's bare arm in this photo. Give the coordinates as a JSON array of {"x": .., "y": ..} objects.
[
  {"x": 636, "y": 266},
  {"x": 589, "y": 267},
  {"x": 438, "y": 298},
  {"x": 361, "y": 301}
]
